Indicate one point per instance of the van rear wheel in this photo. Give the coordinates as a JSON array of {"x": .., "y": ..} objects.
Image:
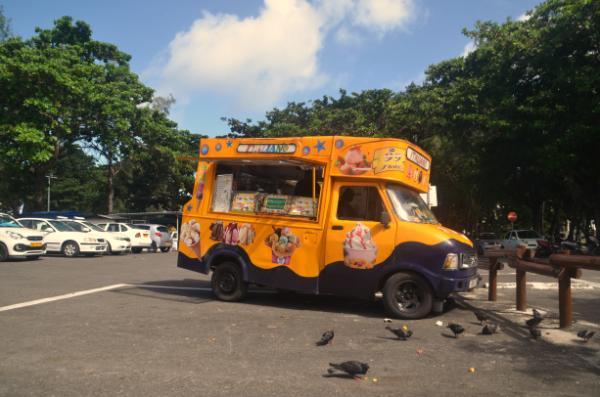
[
  {"x": 407, "y": 296},
  {"x": 228, "y": 282}
]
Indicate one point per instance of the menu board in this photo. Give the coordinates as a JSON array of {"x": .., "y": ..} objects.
[
  {"x": 222, "y": 193},
  {"x": 275, "y": 204},
  {"x": 244, "y": 202},
  {"x": 303, "y": 206}
]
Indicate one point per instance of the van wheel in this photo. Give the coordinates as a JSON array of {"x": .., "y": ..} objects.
[
  {"x": 228, "y": 282},
  {"x": 407, "y": 296},
  {"x": 70, "y": 249}
]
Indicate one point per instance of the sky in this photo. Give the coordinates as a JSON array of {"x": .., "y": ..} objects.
[{"x": 241, "y": 58}]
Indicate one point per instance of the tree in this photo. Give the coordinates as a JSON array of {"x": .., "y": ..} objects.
[{"x": 5, "y": 31}]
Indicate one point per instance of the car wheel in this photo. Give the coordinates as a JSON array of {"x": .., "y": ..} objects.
[
  {"x": 165, "y": 249},
  {"x": 3, "y": 252},
  {"x": 228, "y": 282},
  {"x": 407, "y": 296},
  {"x": 136, "y": 250},
  {"x": 34, "y": 258},
  {"x": 153, "y": 247},
  {"x": 70, "y": 249},
  {"x": 109, "y": 249}
]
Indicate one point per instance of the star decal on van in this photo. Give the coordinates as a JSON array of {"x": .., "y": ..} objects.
[{"x": 320, "y": 145}]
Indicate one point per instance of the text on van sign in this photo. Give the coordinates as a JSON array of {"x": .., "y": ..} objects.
[{"x": 418, "y": 159}]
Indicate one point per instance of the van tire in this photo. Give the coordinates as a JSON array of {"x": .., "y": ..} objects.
[
  {"x": 70, "y": 249},
  {"x": 228, "y": 283},
  {"x": 407, "y": 296}
]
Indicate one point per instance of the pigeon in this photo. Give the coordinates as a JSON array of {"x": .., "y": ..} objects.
[
  {"x": 402, "y": 333},
  {"x": 534, "y": 321},
  {"x": 326, "y": 338},
  {"x": 456, "y": 329},
  {"x": 352, "y": 368},
  {"x": 481, "y": 317},
  {"x": 537, "y": 314},
  {"x": 489, "y": 329},
  {"x": 535, "y": 332},
  {"x": 585, "y": 335}
]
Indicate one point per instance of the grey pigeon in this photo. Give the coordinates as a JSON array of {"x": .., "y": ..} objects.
[
  {"x": 481, "y": 317},
  {"x": 352, "y": 368},
  {"x": 401, "y": 333},
  {"x": 585, "y": 335},
  {"x": 535, "y": 332},
  {"x": 456, "y": 329},
  {"x": 326, "y": 338},
  {"x": 489, "y": 329}
]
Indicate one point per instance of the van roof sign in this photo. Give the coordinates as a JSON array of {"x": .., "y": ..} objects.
[
  {"x": 275, "y": 148},
  {"x": 418, "y": 158}
]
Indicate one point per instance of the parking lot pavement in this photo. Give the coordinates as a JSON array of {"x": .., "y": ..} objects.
[{"x": 143, "y": 338}]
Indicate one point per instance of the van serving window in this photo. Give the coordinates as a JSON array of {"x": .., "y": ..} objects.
[
  {"x": 359, "y": 203},
  {"x": 267, "y": 187}
]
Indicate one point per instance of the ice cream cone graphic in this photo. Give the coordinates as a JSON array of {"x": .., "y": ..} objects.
[
  {"x": 359, "y": 250},
  {"x": 190, "y": 235}
]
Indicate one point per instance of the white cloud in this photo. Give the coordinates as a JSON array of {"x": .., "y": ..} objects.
[
  {"x": 523, "y": 17},
  {"x": 257, "y": 60},
  {"x": 469, "y": 48}
]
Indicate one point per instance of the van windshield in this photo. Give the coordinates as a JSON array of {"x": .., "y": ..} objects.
[{"x": 409, "y": 205}]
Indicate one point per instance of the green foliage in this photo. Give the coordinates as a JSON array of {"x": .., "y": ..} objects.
[
  {"x": 514, "y": 125},
  {"x": 4, "y": 25}
]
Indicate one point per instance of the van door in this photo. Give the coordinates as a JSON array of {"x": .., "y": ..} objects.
[{"x": 357, "y": 243}]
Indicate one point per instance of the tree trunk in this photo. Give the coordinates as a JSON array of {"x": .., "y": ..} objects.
[{"x": 110, "y": 185}]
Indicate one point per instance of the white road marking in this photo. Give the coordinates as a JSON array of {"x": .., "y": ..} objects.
[
  {"x": 108, "y": 288},
  {"x": 60, "y": 297},
  {"x": 575, "y": 284}
]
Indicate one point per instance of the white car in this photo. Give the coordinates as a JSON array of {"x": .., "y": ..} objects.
[
  {"x": 115, "y": 243},
  {"x": 63, "y": 239},
  {"x": 17, "y": 241},
  {"x": 140, "y": 238},
  {"x": 528, "y": 238}
]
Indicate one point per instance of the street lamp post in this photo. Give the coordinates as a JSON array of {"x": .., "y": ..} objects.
[{"x": 50, "y": 177}]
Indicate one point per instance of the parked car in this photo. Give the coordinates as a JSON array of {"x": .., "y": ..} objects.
[
  {"x": 486, "y": 241},
  {"x": 62, "y": 238},
  {"x": 140, "y": 238},
  {"x": 16, "y": 241},
  {"x": 528, "y": 238},
  {"x": 115, "y": 244},
  {"x": 161, "y": 238}
]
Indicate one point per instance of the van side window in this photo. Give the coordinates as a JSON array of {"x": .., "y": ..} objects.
[{"x": 359, "y": 203}]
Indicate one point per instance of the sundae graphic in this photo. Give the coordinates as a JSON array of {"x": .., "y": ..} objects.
[
  {"x": 232, "y": 234},
  {"x": 190, "y": 235},
  {"x": 359, "y": 250},
  {"x": 283, "y": 244},
  {"x": 354, "y": 162}
]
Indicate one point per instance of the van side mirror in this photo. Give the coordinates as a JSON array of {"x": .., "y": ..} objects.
[{"x": 385, "y": 219}]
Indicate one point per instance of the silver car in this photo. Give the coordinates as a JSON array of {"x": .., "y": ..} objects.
[
  {"x": 528, "y": 238},
  {"x": 160, "y": 235}
]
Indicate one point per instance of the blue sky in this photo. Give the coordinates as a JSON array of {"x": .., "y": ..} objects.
[{"x": 241, "y": 58}]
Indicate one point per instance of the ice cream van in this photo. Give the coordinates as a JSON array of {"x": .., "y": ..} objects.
[{"x": 331, "y": 215}]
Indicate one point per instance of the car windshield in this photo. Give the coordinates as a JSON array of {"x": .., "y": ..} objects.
[
  {"x": 8, "y": 221},
  {"x": 162, "y": 229},
  {"x": 409, "y": 205},
  {"x": 75, "y": 225},
  {"x": 528, "y": 234},
  {"x": 93, "y": 227},
  {"x": 61, "y": 226},
  {"x": 141, "y": 227}
]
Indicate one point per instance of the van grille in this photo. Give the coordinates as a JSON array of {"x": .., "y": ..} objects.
[{"x": 35, "y": 238}]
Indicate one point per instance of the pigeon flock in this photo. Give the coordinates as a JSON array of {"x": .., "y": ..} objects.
[{"x": 357, "y": 370}]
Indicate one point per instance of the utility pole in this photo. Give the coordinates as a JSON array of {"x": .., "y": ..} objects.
[{"x": 50, "y": 177}]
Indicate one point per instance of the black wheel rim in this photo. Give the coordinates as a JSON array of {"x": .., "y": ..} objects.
[
  {"x": 227, "y": 283},
  {"x": 409, "y": 297}
]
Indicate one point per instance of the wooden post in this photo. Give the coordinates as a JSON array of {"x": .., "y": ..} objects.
[
  {"x": 565, "y": 304},
  {"x": 521, "y": 290},
  {"x": 493, "y": 279}
]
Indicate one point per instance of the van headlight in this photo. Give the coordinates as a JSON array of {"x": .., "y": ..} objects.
[{"x": 451, "y": 262}]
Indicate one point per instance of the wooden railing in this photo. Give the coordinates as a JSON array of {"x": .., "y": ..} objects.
[{"x": 562, "y": 267}]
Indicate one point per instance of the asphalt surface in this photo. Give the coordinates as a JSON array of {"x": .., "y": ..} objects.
[{"x": 157, "y": 331}]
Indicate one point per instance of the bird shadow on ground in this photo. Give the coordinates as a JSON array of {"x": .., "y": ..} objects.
[
  {"x": 536, "y": 358},
  {"x": 445, "y": 335},
  {"x": 338, "y": 375}
]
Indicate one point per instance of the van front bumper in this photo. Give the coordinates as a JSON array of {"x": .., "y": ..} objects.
[{"x": 456, "y": 281}]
